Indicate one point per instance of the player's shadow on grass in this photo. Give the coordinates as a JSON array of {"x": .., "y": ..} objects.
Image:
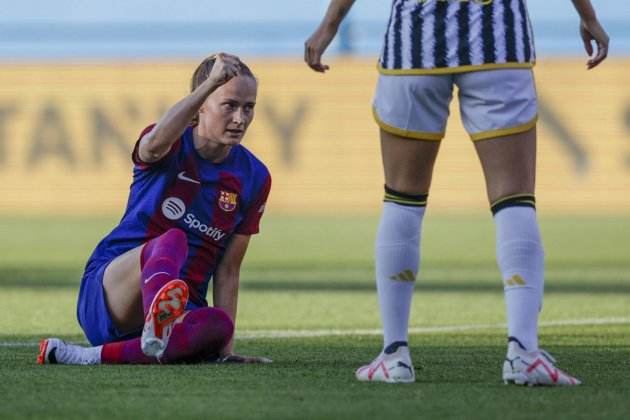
[{"x": 62, "y": 278}]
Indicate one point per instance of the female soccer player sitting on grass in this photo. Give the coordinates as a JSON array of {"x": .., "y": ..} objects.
[{"x": 197, "y": 196}]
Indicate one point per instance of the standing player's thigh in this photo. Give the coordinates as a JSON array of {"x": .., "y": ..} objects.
[
  {"x": 499, "y": 111},
  {"x": 412, "y": 112},
  {"x": 408, "y": 163},
  {"x": 121, "y": 282}
]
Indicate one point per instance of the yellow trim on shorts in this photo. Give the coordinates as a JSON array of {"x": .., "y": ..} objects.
[
  {"x": 451, "y": 70},
  {"x": 485, "y": 135},
  {"x": 416, "y": 135}
]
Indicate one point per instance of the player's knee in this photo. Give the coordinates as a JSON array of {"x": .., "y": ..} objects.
[
  {"x": 222, "y": 323},
  {"x": 177, "y": 243},
  {"x": 216, "y": 325},
  {"x": 176, "y": 236}
]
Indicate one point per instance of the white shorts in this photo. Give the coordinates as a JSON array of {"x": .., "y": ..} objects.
[{"x": 493, "y": 103}]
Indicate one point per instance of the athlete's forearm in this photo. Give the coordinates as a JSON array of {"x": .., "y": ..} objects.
[
  {"x": 585, "y": 9},
  {"x": 337, "y": 10},
  {"x": 174, "y": 122},
  {"x": 225, "y": 296}
]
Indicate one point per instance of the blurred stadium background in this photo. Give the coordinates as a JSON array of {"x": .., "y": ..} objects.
[{"x": 80, "y": 79}]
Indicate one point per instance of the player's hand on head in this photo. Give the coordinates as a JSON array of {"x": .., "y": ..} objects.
[
  {"x": 592, "y": 31},
  {"x": 236, "y": 358},
  {"x": 315, "y": 46},
  {"x": 226, "y": 66}
]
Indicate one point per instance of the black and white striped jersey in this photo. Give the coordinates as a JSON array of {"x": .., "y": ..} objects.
[{"x": 450, "y": 36}]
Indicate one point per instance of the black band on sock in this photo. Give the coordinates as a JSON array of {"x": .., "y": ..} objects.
[
  {"x": 516, "y": 200},
  {"x": 517, "y": 341},
  {"x": 393, "y": 196},
  {"x": 394, "y": 346}
]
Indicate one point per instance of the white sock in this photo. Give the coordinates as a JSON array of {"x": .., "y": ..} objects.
[
  {"x": 397, "y": 264},
  {"x": 95, "y": 354},
  {"x": 521, "y": 260}
]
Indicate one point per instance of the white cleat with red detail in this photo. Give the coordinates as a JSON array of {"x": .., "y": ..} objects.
[
  {"x": 533, "y": 368},
  {"x": 168, "y": 304},
  {"x": 391, "y": 368}
]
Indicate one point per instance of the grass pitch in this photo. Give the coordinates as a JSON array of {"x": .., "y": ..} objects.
[{"x": 310, "y": 276}]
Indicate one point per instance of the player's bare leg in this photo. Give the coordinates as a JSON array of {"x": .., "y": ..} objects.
[
  {"x": 509, "y": 165},
  {"x": 408, "y": 166},
  {"x": 136, "y": 287},
  {"x": 408, "y": 163},
  {"x": 121, "y": 282}
]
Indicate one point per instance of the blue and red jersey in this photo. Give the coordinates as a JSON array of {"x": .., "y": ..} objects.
[{"x": 209, "y": 201}]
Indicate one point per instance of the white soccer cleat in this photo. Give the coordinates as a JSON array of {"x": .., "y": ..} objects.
[
  {"x": 533, "y": 368},
  {"x": 391, "y": 368},
  {"x": 168, "y": 304},
  {"x": 55, "y": 351}
]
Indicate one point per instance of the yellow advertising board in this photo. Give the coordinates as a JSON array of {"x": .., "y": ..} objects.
[{"x": 66, "y": 132}]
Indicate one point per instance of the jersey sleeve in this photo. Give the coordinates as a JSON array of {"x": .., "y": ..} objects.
[
  {"x": 140, "y": 164},
  {"x": 250, "y": 224}
]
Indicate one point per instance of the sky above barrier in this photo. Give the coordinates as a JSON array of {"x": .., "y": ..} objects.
[
  {"x": 251, "y": 10},
  {"x": 43, "y": 29}
]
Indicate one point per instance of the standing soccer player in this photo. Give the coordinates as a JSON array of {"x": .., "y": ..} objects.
[
  {"x": 486, "y": 48},
  {"x": 197, "y": 196}
]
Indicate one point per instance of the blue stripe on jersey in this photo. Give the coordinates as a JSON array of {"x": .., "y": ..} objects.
[
  {"x": 487, "y": 33},
  {"x": 398, "y": 36},
  {"x": 510, "y": 31},
  {"x": 439, "y": 32},
  {"x": 526, "y": 41},
  {"x": 416, "y": 36},
  {"x": 463, "y": 46}
]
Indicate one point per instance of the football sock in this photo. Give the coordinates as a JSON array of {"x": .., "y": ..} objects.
[
  {"x": 200, "y": 335},
  {"x": 521, "y": 261},
  {"x": 161, "y": 260},
  {"x": 397, "y": 260}
]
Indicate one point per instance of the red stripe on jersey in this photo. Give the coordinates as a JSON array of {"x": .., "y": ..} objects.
[
  {"x": 182, "y": 190},
  {"x": 205, "y": 259},
  {"x": 225, "y": 210}
]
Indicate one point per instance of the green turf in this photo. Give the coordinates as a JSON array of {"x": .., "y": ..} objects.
[{"x": 315, "y": 274}]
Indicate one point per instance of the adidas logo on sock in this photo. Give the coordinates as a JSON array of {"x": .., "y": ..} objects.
[
  {"x": 515, "y": 280},
  {"x": 406, "y": 275}
]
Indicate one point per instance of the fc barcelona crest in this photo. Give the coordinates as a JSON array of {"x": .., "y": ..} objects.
[{"x": 227, "y": 200}]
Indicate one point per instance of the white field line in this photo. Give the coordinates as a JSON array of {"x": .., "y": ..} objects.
[
  {"x": 420, "y": 330},
  {"x": 249, "y": 335}
]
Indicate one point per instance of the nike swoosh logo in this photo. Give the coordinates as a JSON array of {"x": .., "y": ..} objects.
[
  {"x": 148, "y": 279},
  {"x": 183, "y": 177}
]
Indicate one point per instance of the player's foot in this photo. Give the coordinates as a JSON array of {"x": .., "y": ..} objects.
[
  {"x": 533, "y": 368},
  {"x": 393, "y": 365},
  {"x": 54, "y": 350},
  {"x": 168, "y": 304}
]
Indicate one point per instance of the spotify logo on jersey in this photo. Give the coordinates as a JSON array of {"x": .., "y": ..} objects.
[{"x": 173, "y": 208}]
